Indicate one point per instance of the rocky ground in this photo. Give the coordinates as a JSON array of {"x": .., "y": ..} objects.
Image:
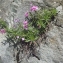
[{"x": 51, "y": 48}]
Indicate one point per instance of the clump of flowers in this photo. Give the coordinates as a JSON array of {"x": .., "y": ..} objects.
[{"x": 31, "y": 28}]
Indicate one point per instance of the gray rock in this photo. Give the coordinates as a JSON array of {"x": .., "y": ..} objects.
[
  {"x": 33, "y": 60},
  {"x": 1, "y": 60},
  {"x": 59, "y": 21},
  {"x": 53, "y": 3},
  {"x": 36, "y": 54},
  {"x": 60, "y": 10},
  {"x": 59, "y": 18},
  {"x": 51, "y": 51},
  {"x": 6, "y": 53}
]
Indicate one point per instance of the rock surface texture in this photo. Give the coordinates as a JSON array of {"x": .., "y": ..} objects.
[
  {"x": 51, "y": 48},
  {"x": 6, "y": 55}
]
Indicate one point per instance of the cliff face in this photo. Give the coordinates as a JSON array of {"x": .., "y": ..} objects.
[{"x": 51, "y": 48}]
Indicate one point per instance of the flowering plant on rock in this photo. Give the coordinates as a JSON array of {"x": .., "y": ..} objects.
[{"x": 34, "y": 24}]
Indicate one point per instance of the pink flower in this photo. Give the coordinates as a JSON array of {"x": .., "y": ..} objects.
[
  {"x": 17, "y": 37},
  {"x": 23, "y": 39},
  {"x": 25, "y": 25},
  {"x": 25, "y": 22},
  {"x": 2, "y": 31},
  {"x": 26, "y": 14},
  {"x": 34, "y": 8}
]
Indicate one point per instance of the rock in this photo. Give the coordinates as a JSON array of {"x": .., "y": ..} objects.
[
  {"x": 6, "y": 53},
  {"x": 59, "y": 18},
  {"x": 33, "y": 60},
  {"x": 59, "y": 10},
  {"x": 61, "y": 34},
  {"x": 59, "y": 21},
  {"x": 1, "y": 60},
  {"x": 51, "y": 49},
  {"x": 52, "y": 3},
  {"x": 36, "y": 54}
]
